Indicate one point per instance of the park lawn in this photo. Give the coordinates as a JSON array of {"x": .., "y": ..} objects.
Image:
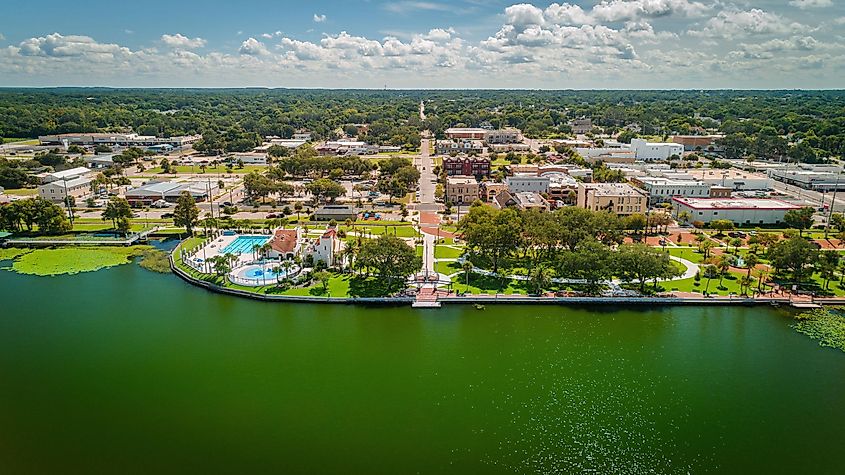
[
  {"x": 690, "y": 254},
  {"x": 445, "y": 252},
  {"x": 419, "y": 250},
  {"x": 405, "y": 230},
  {"x": 338, "y": 287},
  {"x": 730, "y": 284},
  {"x": 481, "y": 284},
  {"x": 447, "y": 267},
  {"x": 21, "y": 192},
  {"x": 21, "y": 141}
]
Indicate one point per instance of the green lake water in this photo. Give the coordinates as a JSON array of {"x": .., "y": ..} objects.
[{"x": 126, "y": 371}]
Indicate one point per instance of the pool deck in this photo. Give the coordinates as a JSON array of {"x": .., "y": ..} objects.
[{"x": 216, "y": 247}]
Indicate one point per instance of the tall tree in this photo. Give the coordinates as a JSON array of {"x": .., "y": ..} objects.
[{"x": 186, "y": 212}]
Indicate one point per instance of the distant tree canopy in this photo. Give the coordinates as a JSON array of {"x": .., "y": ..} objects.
[{"x": 805, "y": 126}]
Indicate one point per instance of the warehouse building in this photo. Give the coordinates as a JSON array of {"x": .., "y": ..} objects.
[{"x": 741, "y": 211}]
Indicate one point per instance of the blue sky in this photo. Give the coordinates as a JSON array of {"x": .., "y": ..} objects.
[{"x": 427, "y": 43}]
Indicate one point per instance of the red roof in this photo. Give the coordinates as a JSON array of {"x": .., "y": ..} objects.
[{"x": 284, "y": 241}]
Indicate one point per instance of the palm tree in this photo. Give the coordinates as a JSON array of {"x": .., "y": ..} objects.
[
  {"x": 723, "y": 265},
  {"x": 709, "y": 273},
  {"x": 744, "y": 283},
  {"x": 751, "y": 261},
  {"x": 467, "y": 268},
  {"x": 256, "y": 248}
]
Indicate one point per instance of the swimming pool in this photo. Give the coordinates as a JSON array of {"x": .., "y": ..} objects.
[
  {"x": 244, "y": 244},
  {"x": 255, "y": 274}
]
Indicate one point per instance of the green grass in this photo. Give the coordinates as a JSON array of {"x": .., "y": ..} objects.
[
  {"x": 405, "y": 230},
  {"x": 73, "y": 260},
  {"x": 447, "y": 267},
  {"x": 445, "y": 252},
  {"x": 21, "y": 141},
  {"x": 21, "y": 192},
  {"x": 691, "y": 255}
]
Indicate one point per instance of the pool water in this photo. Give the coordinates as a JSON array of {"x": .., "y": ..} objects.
[
  {"x": 259, "y": 275},
  {"x": 244, "y": 244}
]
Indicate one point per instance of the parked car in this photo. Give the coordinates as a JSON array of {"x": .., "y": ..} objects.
[
  {"x": 167, "y": 215},
  {"x": 271, "y": 216},
  {"x": 227, "y": 203}
]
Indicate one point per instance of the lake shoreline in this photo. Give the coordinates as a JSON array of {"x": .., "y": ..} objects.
[{"x": 506, "y": 299}]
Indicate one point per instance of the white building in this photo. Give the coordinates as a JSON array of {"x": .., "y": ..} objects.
[
  {"x": 818, "y": 179},
  {"x": 326, "y": 248},
  {"x": 249, "y": 158},
  {"x": 737, "y": 180},
  {"x": 64, "y": 174},
  {"x": 662, "y": 190},
  {"x": 448, "y": 147},
  {"x": 126, "y": 140},
  {"x": 56, "y": 191},
  {"x": 741, "y": 211},
  {"x": 522, "y": 183},
  {"x": 655, "y": 151}
]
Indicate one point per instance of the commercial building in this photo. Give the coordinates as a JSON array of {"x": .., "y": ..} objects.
[
  {"x": 448, "y": 147},
  {"x": 286, "y": 143},
  {"x": 248, "y": 158},
  {"x": 562, "y": 188},
  {"x": 56, "y": 191},
  {"x": 527, "y": 183},
  {"x": 491, "y": 189},
  {"x": 509, "y": 147},
  {"x": 655, "y": 151},
  {"x": 503, "y": 136},
  {"x": 169, "y": 191},
  {"x": 467, "y": 166},
  {"x": 465, "y": 133},
  {"x": 619, "y": 198},
  {"x": 335, "y": 212},
  {"x": 581, "y": 126},
  {"x": 161, "y": 148},
  {"x": 817, "y": 179},
  {"x": 462, "y": 189},
  {"x": 69, "y": 174},
  {"x": 347, "y": 147},
  {"x": 737, "y": 180},
  {"x": 98, "y": 162},
  {"x": 741, "y": 211},
  {"x": 126, "y": 140},
  {"x": 662, "y": 190},
  {"x": 523, "y": 200},
  {"x": 691, "y": 143}
]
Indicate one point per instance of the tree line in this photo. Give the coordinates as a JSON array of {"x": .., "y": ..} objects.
[{"x": 568, "y": 243}]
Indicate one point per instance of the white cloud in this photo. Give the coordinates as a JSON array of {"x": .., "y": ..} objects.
[
  {"x": 730, "y": 23},
  {"x": 253, "y": 47},
  {"x": 804, "y": 4},
  {"x": 613, "y": 43},
  {"x": 60, "y": 46},
  {"x": 319, "y": 18},
  {"x": 409, "y": 6},
  {"x": 179, "y": 41}
]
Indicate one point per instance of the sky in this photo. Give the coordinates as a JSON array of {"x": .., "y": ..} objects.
[{"x": 464, "y": 44}]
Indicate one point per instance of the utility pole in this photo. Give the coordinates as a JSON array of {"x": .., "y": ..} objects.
[
  {"x": 832, "y": 204},
  {"x": 67, "y": 202}
]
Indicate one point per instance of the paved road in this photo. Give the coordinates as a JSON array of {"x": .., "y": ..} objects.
[
  {"x": 427, "y": 178},
  {"x": 814, "y": 198}
]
